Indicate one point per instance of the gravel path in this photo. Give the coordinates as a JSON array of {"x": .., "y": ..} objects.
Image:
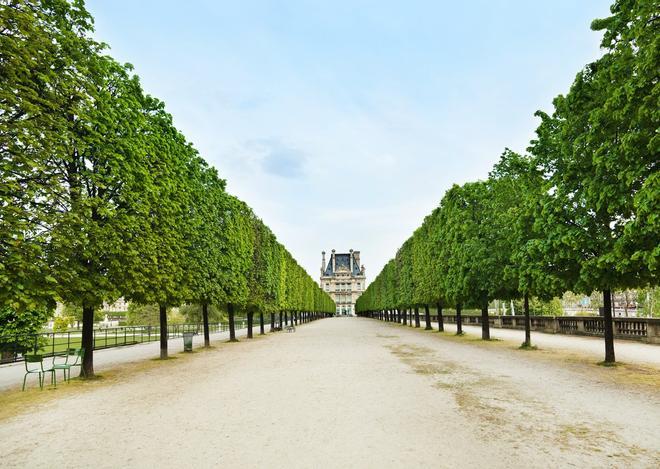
[{"x": 347, "y": 393}]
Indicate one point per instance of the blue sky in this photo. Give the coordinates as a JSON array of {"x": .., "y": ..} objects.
[{"x": 342, "y": 124}]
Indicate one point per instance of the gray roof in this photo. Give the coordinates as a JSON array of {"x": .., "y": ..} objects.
[{"x": 342, "y": 263}]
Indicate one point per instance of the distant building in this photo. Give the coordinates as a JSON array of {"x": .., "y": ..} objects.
[
  {"x": 343, "y": 279},
  {"x": 119, "y": 306}
]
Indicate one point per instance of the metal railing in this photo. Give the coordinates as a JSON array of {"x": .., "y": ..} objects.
[
  {"x": 641, "y": 329},
  {"x": 14, "y": 347}
]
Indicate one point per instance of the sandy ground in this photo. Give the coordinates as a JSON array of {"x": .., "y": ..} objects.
[{"x": 347, "y": 393}]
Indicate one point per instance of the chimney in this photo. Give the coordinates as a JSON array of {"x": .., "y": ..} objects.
[
  {"x": 334, "y": 266},
  {"x": 357, "y": 257},
  {"x": 350, "y": 256},
  {"x": 322, "y": 262}
]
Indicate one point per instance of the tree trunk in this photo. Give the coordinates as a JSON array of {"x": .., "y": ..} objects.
[
  {"x": 427, "y": 318},
  {"x": 417, "y": 323},
  {"x": 262, "y": 330},
  {"x": 286, "y": 318},
  {"x": 404, "y": 316},
  {"x": 279, "y": 324},
  {"x": 272, "y": 322},
  {"x": 232, "y": 325},
  {"x": 250, "y": 319},
  {"x": 485, "y": 323},
  {"x": 528, "y": 323},
  {"x": 441, "y": 322},
  {"x": 608, "y": 326},
  {"x": 459, "y": 320},
  {"x": 163, "y": 331},
  {"x": 205, "y": 319},
  {"x": 87, "y": 367}
]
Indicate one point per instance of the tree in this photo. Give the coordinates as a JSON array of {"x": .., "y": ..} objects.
[
  {"x": 261, "y": 278},
  {"x": 518, "y": 188},
  {"x": 237, "y": 259},
  {"x": 18, "y": 331},
  {"x": 73, "y": 153},
  {"x": 208, "y": 240},
  {"x": 451, "y": 237},
  {"x": 405, "y": 286},
  {"x": 161, "y": 238},
  {"x": 621, "y": 135},
  {"x": 100, "y": 176},
  {"x": 43, "y": 55},
  {"x": 598, "y": 147}
]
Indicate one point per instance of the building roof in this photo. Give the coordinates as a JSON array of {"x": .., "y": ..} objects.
[{"x": 343, "y": 264}]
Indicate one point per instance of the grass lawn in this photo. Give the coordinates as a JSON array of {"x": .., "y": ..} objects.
[{"x": 61, "y": 344}]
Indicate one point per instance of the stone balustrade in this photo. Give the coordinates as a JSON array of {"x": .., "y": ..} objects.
[{"x": 641, "y": 329}]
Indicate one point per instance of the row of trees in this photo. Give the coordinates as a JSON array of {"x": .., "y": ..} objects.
[
  {"x": 102, "y": 196},
  {"x": 579, "y": 212}
]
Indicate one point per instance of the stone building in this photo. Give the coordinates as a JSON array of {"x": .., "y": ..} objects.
[{"x": 343, "y": 279}]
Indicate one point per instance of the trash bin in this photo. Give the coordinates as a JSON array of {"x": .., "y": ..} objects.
[{"x": 187, "y": 341}]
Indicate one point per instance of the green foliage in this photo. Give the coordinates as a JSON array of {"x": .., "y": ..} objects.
[
  {"x": 17, "y": 329},
  {"x": 540, "y": 307},
  {"x": 649, "y": 301},
  {"x": 149, "y": 315},
  {"x": 193, "y": 313},
  {"x": 598, "y": 152},
  {"x": 175, "y": 316},
  {"x": 62, "y": 323},
  {"x": 138, "y": 315}
]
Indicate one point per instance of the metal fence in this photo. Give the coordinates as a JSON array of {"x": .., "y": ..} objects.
[{"x": 14, "y": 347}]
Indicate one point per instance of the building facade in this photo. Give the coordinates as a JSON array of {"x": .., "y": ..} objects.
[{"x": 342, "y": 277}]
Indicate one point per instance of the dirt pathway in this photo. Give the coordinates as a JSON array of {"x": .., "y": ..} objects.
[{"x": 347, "y": 393}]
